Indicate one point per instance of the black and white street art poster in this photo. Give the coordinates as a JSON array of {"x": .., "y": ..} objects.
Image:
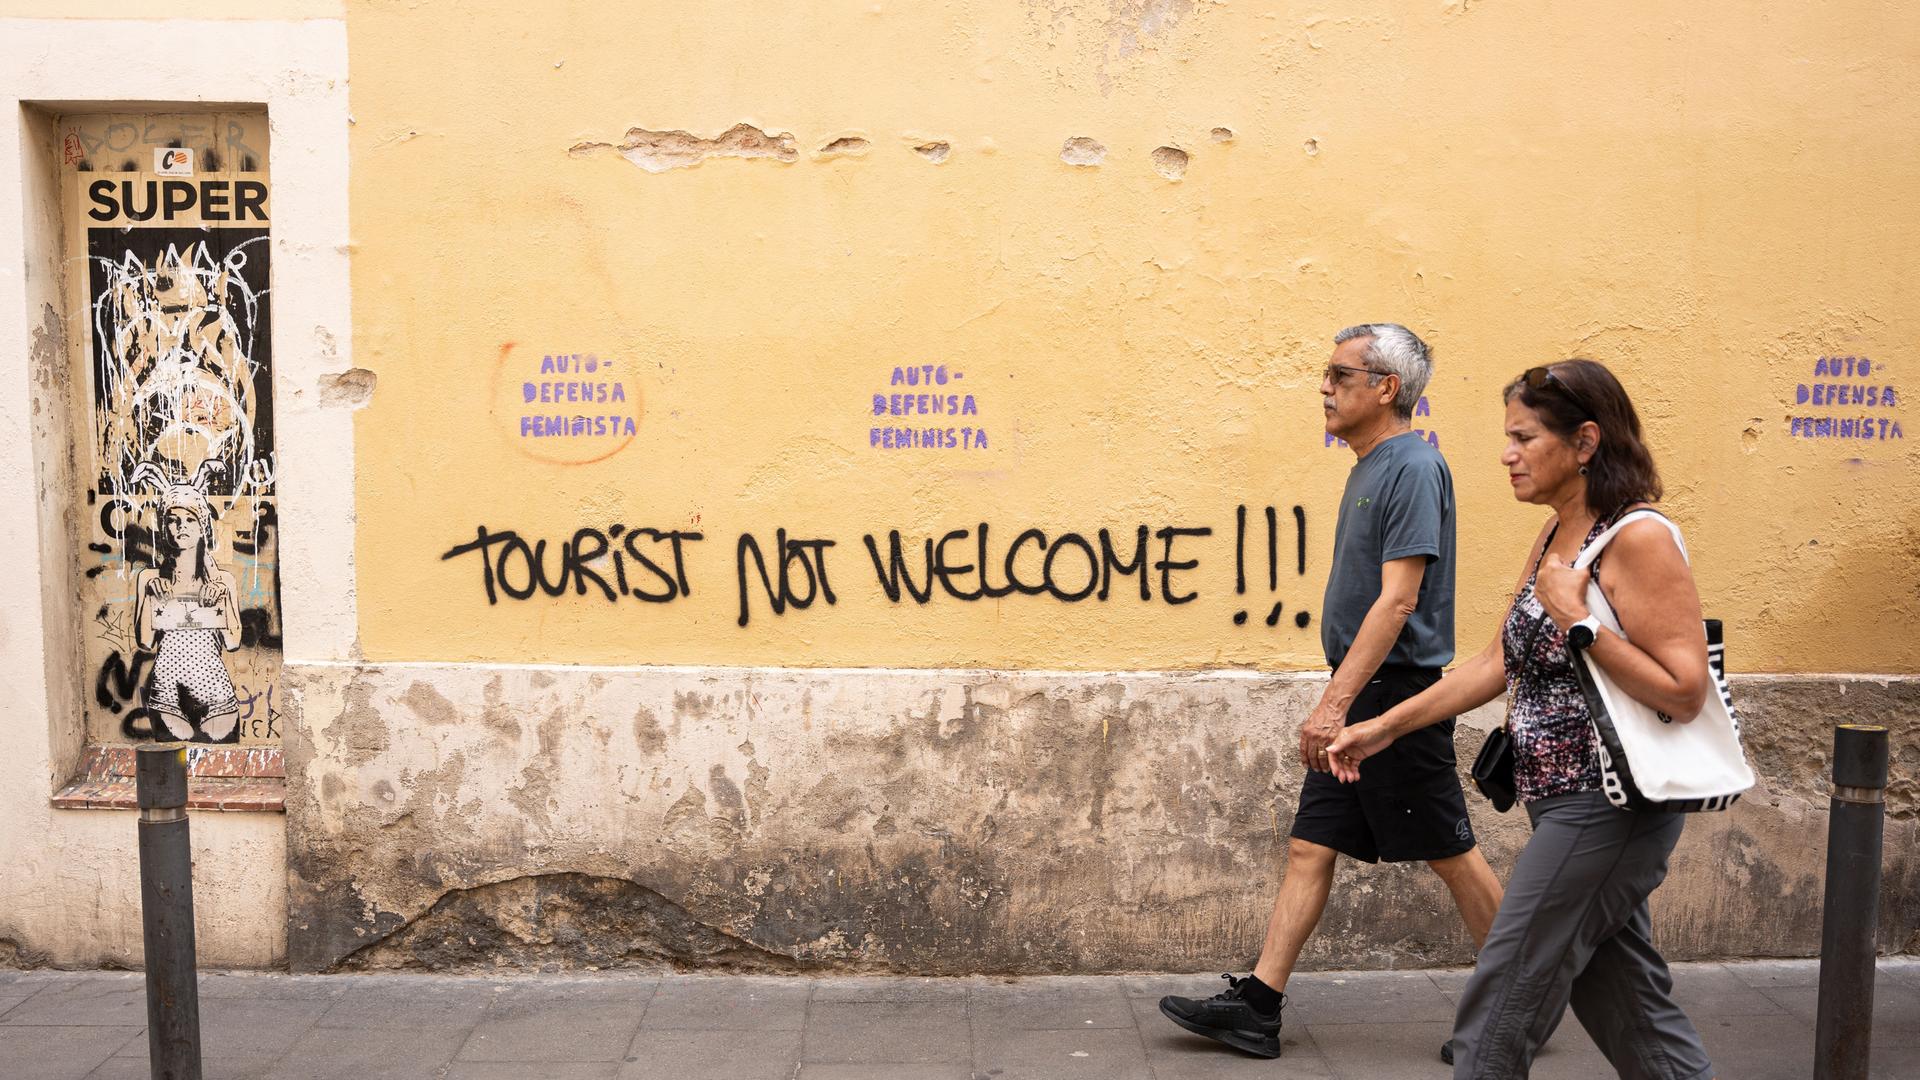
[{"x": 185, "y": 627}]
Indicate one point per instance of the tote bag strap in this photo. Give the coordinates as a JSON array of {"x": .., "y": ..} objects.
[{"x": 1592, "y": 551}]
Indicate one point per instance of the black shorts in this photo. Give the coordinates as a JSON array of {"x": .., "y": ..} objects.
[{"x": 1407, "y": 805}]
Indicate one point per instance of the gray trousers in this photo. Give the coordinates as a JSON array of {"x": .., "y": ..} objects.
[{"x": 1573, "y": 928}]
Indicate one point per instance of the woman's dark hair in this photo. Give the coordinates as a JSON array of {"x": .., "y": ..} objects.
[{"x": 1622, "y": 470}]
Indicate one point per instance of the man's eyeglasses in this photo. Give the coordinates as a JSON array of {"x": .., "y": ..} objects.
[
  {"x": 1337, "y": 372},
  {"x": 1540, "y": 378}
]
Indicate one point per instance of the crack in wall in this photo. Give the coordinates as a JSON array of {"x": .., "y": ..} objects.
[{"x": 562, "y": 921}]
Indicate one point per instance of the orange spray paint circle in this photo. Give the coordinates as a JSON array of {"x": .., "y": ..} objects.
[{"x": 566, "y": 408}]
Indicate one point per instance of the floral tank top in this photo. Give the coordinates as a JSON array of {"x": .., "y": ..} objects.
[{"x": 1553, "y": 748}]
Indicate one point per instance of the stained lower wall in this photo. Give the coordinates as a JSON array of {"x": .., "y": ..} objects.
[{"x": 454, "y": 817}]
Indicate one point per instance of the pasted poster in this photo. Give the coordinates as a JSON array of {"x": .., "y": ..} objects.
[{"x": 182, "y": 563}]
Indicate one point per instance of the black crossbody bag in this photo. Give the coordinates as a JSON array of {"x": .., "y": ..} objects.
[
  {"x": 1493, "y": 769},
  {"x": 1493, "y": 765}
]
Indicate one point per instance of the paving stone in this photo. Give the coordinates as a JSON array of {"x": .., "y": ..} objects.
[
  {"x": 368, "y": 1054},
  {"x": 1762, "y": 974},
  {"x": 108, "y": 1000},
  {"x": 127, "y": 1068},
  {"x": 1896, "y": 1010},
  {"x": 895, "y": 990},
  {"x": 1894, "y": 1062},
  {"x": 719, "y": 1002},
  {"x": 539, "y": 1070},
  {"x": 226, "y": 985},
  {"x": 1103, "y": 1053},
  {"x": 713, "y": 1055},
  {"x": 915, "y": 1032},
  {"x": 1902, "y": 969},
  {"x": 1383, "y": 1051},
  {"x": 57, "y": 1053},
  {"x": 1705, "y": 990},
  {"x": 570, "y": 1021},
  {"x": 1355, "y": 997},
  {"x": 890, "y": 1071},
  {"x": 1175, "y": 1052},
  {"x": 1778, "y": 1047},
  {"x": 245, "y": 1027},
  {"x": 136, "y": 1068},
  {"x": 422, "y": 1006},
  {"x": 1756, "y": 1017},
  {"x": 1059, "y": 1004}
]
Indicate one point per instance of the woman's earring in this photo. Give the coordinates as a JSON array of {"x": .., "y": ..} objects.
[{"x": 1583, "y": 470}]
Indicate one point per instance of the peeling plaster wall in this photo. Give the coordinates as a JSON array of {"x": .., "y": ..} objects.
[{"x": 458, "y": 818}]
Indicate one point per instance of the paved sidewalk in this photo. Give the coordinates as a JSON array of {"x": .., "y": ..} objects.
[{"x": 1757, "y": 1018}]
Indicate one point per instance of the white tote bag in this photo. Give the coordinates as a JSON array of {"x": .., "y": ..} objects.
[{"x": 1647, "y": 760}]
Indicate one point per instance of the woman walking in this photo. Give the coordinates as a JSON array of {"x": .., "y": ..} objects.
[{"x": 1573, "y": 928}]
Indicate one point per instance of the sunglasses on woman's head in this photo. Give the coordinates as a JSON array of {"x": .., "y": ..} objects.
[{"x": 1541, "y": 378}]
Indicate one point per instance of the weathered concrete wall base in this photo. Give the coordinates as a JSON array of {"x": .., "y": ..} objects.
[{"x": 457, "y": 817}]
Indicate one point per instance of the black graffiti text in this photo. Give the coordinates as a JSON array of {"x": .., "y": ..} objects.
[
  {"x": 1069, "y": 567},
  {"x": 115, "y": 688},
  {"x": 510, "y": 564},
  {"x": 809, "y": 555}
]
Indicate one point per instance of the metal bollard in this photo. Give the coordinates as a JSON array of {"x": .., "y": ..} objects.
[
  {"x": 166, "y": 910},
  {"x": 1849, "y": 933}
]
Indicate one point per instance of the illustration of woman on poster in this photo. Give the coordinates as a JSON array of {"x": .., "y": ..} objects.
[{"x": 186, "y": 611}]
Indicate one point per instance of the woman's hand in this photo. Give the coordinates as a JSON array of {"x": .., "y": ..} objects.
[
  {"x": 1562, "y": 591},
  {"x": 1355, "y": 744},
  {"x": 212, "y": 594},
  {"x": 159, "y": 588}
]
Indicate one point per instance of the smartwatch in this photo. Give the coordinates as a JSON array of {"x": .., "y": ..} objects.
[{"x": 1581, "y": 634}]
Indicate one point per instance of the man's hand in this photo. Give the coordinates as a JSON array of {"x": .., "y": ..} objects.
[
  {"x": 1322, "y": 727},
  {"x": 1562, "y": 591}
]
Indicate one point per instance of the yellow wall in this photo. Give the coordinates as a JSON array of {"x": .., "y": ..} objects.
[
  {"x": 171, "y": 9},
  {"x": 1710, "y": 199}
]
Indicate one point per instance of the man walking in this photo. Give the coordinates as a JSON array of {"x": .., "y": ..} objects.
[{"x": 1387, "y": 627}]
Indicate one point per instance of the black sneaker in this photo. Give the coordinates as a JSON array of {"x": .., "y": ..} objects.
[
  {"x": 1446, "y": 1052},
  {"x": 1229, "y": 1018}
]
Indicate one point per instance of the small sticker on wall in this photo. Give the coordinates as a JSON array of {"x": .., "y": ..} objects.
[{"x": 173, "y": 161}]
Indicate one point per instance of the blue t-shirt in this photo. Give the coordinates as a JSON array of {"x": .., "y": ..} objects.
[{"x": 1398, "y": 503}]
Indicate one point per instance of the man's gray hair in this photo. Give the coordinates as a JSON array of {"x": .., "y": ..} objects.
[{"x": 1396, "y": 350}]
